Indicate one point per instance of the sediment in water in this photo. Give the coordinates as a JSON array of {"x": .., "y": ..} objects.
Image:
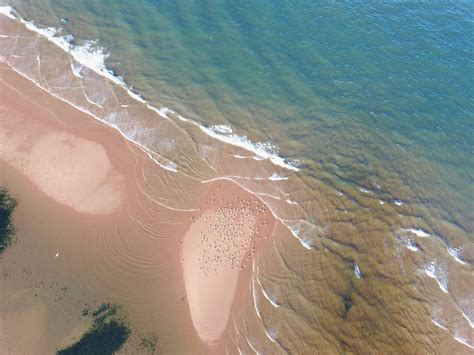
[{"x": 126, "y": 248}]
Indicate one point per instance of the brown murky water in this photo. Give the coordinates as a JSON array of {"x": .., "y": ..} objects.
[{"x": 346, "y": 269}]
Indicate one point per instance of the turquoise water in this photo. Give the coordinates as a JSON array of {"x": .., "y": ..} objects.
[
  {"x": 375, "y": 96},
  {"x": 317, "y": 79}
]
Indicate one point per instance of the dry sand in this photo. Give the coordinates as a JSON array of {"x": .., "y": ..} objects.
[
  {"x": 72, "y": 170},
  {"x": 99, "y": 222},
  {"x": 219, "y": 244}
]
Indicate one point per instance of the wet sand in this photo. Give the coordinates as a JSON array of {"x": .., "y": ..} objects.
[
  {"x": 70, "y": 169},
  {"x": 348, "y": 278},
  {"x": 94, "y": 227}
]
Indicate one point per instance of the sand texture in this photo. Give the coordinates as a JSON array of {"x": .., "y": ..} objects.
[{"x": 219, "y": 244}]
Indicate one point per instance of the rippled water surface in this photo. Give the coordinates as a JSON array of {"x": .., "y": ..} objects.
[{"x": 371, "y": 103}]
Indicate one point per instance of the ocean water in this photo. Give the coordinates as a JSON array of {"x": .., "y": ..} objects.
[{"x": 366, "y": 112}]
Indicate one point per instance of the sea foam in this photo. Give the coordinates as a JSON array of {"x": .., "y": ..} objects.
[
  {"x": 302, "y": 230},
  {"x": 410, "y": 244},
  {"x": 263, "y": 150},
  {"x": 277, "y": 177},
  {"x": 456, "y": 253},
  {"x": 265, "y": 294},
  {"x": 357, "y": 271},
  {"x": 417, "y": 231},
  {"x": 460, "y": 338},
  {"x": 92, "y": 55},
  {"x": 438, "y": 273}
]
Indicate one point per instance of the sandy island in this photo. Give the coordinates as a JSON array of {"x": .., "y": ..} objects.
[{"x": 218, "y": 245}]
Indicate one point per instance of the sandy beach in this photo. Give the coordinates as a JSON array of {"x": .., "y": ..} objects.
[
  {"x": 268, "y": 178},
  {"x": 80, "y": 183}
]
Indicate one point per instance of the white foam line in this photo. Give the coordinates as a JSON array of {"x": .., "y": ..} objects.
[
  {"x": 438, "y": 325},
  {"x": 228, "y": 177},
  {"x": 163, "y": 111},
  {"x": 455, "y": 252},
  {"x": 90, "y": 101},
  {"x": 93, "y": 57},
  {"x": 398, "y": 202},
  {"x": 166, "y": 206},
  {"x": 409, "y": 244},
  {"x": 253, "y": 157},
  {"x": 274, "y": 304},
  {"x": 417, "y": 231},
  {"x": 471, "y": 323},
  {"x": 303, "y": 243},
  {"x": 143, "y": 148},
  {"x": 441, "y": 286},
  {"x": 253, "y": 348},
  {"x": 462, "y": 340},
  {"x": 357, "y": 272},
  {"x": 75, "y": 71},
  {"x": 254, "y": 178},
  {"x": 365, "y": 191},
  {"x": 254, "y": 294},
  {"x": 237, "y": 334},
  {"x": 268, "y": 195},
  {"x": 293, "y": 233},
  {"x": 7, "y": 11},
  {"x": 135, "y": 96},
  {"x": 83, "y": 56},
  {"x": 430, "y": 271},
  {"x": 269, "y": 337},
  {"x": 88, "y": 54},
  {"x": 277, "y": 177},
  {"x": 225, "y": 135}
]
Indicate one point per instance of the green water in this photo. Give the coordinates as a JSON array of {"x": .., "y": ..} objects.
[
  {"x": 317, "y": 79},
  {"x": 374, "y": 96}
]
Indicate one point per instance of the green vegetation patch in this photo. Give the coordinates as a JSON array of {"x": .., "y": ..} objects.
[
  {"x": 106, "y": 336},
  {"x": 7, "y": 206}
]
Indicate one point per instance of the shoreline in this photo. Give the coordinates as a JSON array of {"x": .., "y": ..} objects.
[
  {"x": 69, "y": 159},
  {"x": 123, "y": 246},
  {"x": 95, "y": 60}
]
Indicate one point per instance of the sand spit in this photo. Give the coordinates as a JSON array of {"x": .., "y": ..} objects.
[{"x": 218, "y": 246}]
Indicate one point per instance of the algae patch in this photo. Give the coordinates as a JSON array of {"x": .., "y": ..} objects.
[
  {"x": 148, "y": 345},
  {"x": 107, "y": 334},
  {"x": 7, "y": 230}
]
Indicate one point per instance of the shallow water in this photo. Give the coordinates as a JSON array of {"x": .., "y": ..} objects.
[{"x": 372, "y": 101}]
